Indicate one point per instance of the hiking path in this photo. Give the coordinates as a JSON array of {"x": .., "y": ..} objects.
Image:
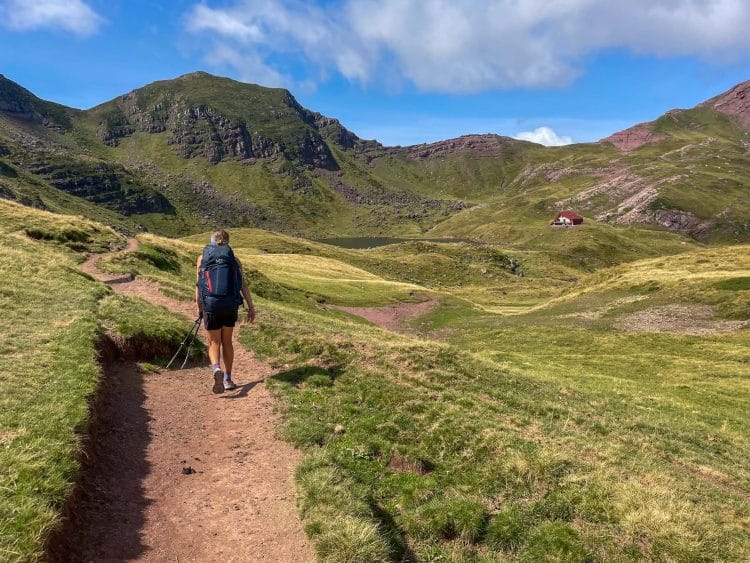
[{"x": 176, "y": 473}]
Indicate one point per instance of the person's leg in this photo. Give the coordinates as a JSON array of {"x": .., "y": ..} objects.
[
  {"x": 214, "y": 354},
  {"x": 214, "y": 346},
  {"x": 227, "y": 348},
  {"x": 228, "y": 320}
]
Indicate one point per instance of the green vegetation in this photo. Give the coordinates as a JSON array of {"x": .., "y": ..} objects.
[
  {"x": 160, "y": 157},
  {"x": 577, "y": 394},
  {"x": 548, "y": 439},
  {"x": 48, "y": 338},
  {"x": 48, "y": 333},
  {"x": 147, "y": 332},
  {"x": 559, "y": 432}
]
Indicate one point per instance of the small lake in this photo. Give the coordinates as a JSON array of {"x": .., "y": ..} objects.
[{"x": 374, "y": 242}]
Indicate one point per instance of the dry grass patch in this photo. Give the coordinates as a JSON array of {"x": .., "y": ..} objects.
[{"x": 695, "y": 320}]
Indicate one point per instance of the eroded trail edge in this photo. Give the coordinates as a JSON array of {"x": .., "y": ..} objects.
[{"x": 136, "y": 501}]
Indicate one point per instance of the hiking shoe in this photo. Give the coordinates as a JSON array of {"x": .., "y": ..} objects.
[
  {"x": 218, "y": 381},
  {"x": 229, "y": 385}
]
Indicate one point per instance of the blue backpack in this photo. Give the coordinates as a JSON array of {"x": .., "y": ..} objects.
[{"x": 219, "y": 279}]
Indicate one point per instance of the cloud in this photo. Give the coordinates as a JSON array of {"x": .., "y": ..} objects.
[
  {"x": 464, "y": 46},
  {"x": 281, "y": 33},
  {"x": 544, "y": 136},
  {"x": 249, "y": 66},
  {"x": 69, "y": 15}
]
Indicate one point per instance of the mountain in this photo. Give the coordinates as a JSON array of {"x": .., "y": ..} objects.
[
  {"x": 687, "y": 171},
  {"x": 184, "y": 155}
]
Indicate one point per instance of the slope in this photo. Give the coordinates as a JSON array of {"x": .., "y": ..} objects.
[
  {"x": 514, "y": 437},
  {"x": 183, "y": 155}
]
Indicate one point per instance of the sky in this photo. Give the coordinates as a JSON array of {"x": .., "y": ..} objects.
[{"x": 399, "y": 71}]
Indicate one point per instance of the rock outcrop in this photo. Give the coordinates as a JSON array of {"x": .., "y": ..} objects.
[
  {"x": 254, "y": 123},
  {"x": 483, "y": 145},
  {"x": 634, "y": 137},
  {"x": 735, "y": 103},
  {"x": 110, "y": 186}
]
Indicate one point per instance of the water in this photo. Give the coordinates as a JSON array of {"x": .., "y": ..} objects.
[{"x": 374, "y": 242}]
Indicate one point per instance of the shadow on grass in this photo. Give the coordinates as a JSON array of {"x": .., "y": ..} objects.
[
  {"x": 299, "y": 375},
  {"x": 400, "y": 550},
  {"x": 104, "y": 516}
]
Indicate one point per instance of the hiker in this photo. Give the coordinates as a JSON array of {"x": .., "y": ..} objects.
[{"x": 219, "y": 290}]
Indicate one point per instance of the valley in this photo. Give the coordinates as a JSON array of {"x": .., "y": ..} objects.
[{"x": 460, "y": 381}]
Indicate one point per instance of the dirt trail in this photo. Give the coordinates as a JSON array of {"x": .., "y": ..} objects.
[
  {"x": 136, "y": 503},
  {"x": 392, "y": 317}
]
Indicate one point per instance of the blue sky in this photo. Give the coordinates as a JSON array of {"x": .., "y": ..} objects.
[{"x": 400, "y": 71}]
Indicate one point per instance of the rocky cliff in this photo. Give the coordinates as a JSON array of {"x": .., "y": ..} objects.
[
  {"x": 735, "y": 103},
  {"x": 244, "y": 122}
]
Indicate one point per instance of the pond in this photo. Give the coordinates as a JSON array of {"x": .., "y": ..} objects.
[{"x": 374, "y": 242}]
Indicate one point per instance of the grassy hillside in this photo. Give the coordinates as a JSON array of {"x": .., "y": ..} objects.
[
  {"x": 605, "y": 423},
  {"x": 185, "y": 155},
  {"x": 590, "y": 428},
  {"x": 52, "y": 319}
]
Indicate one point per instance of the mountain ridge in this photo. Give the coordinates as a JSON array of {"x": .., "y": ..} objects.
[{"x": 179, "y": 156}]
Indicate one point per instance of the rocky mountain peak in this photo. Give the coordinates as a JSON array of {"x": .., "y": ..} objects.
[
  {"x": 484, "y": 145},
  {"x": 634, "y": 137},
  {"x": 18, "y": 103},
  {"x": 15, "y": 99},
  {"x": 735, "y": 103}
]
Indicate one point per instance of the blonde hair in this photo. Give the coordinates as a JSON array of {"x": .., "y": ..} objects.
[{"x": 220, "y": 237}]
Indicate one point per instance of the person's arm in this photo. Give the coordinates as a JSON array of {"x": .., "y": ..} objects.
[
  {"x": 248, "y": 298},
  {"x": 197, "y": 295}
]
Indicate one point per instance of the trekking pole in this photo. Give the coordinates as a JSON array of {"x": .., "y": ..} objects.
[
  {"x": 189, "y": 336},
  {"x": 190, "y": 345}
]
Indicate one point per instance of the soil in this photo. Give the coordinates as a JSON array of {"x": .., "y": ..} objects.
[
  {"x": 392, "y": 317},
  {"x": 176, "y": 473},
  {"x": 696, "y": 320}
]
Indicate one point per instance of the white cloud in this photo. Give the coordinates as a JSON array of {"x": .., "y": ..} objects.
[
  {"x": 463, "y": 46},
  {"x": 291, "y": 30},
  {"x": 544, "y": 136},
  {"x": 249, "y": 66},
  {"x": 70, "y": 15}
]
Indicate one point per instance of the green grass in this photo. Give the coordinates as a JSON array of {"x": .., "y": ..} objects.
[
  {"x": 549, "y": 431},
  {"x": 74, "y": 232},
  {"x": 527, "y": 436},
  {"x": 150, "y": 332},
  {"x": 277, "y": 276},
  {"x": 541, "y": 443},
  {"x": 53, "y": 316},
  {"x": 48, "y": 361}
]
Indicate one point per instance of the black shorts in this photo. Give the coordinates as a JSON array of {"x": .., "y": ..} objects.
[{"x": 219, "y": 319}]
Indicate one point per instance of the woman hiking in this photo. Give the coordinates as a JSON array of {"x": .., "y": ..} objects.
[{"x": 219, "y": 290}]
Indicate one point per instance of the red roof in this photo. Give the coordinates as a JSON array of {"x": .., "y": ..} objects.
[{"x": 574, "y": 217}]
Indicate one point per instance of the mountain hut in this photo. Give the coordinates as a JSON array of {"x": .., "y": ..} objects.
[{"x": 566, "y": 219}]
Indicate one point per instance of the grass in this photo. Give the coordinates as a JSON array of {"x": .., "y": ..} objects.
[
  {"x": 278, "y": 276},
  {"x": 521, "y": 436},
  {"x": 48, "y": 361},
  {"x": 73, "y": 233},
  {"x": 525, "y": 453},
  {"x": 549, "y": 433},
  {"x": 145, "y": 331},
  {"x": 53, "y": 316},
  {"x": 527, "y": 436}
]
